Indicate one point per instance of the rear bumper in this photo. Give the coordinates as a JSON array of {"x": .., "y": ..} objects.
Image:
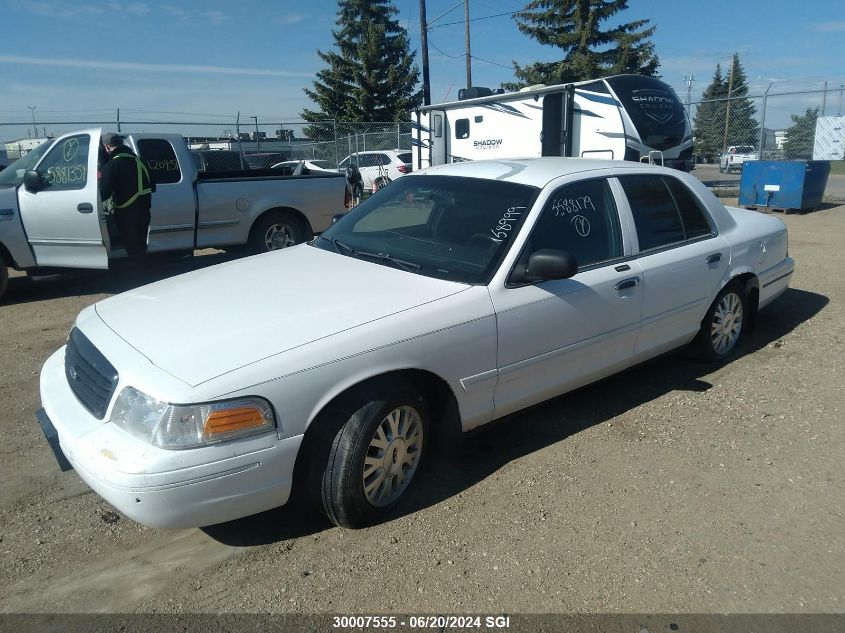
[{"x": 164, "y": 488}]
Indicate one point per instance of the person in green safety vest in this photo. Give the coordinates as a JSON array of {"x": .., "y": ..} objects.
[{"x": 126, "y": 182}]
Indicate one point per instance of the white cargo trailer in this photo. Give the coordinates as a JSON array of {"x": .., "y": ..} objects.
[{"x": 628, "y": 117}]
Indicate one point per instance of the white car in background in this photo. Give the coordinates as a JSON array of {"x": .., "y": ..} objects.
[
  {"x": 735, "y": 157},
  {"x": 379, "y": 167},
  {"x": 456, "y": 296},
  {"x": 297, "y": 167}
]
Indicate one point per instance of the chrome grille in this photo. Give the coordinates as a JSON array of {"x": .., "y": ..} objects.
[{"x": 91, "y": 377}]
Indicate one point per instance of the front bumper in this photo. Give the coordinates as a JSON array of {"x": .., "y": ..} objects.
[{"x": 164, "y": 488}]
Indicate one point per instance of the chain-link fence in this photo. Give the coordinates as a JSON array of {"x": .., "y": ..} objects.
[{"x": 233, "y": 145}]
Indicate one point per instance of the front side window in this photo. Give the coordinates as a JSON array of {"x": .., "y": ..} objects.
[
  {"x": 580, "y": 218},
  {"x": 65, "y": 167},
  {"x": 656, "y": 217},
  {"x": 12, "y": 176},
  {"x": 446, "y": 227},
  {"x": 161, "y": 160}
]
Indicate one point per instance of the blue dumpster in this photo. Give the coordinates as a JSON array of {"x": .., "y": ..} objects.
[{"x": 794, "y": 184}]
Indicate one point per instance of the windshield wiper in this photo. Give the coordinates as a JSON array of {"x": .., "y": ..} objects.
[
  {"x": 410, "y": 267},
  {"x": 339, "y": 246}
]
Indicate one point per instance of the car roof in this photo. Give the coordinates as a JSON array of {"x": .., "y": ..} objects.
[{"x": 538, "y": 172}]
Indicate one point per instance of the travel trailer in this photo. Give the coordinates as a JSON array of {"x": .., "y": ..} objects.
[{"x": 625, "y": 117}]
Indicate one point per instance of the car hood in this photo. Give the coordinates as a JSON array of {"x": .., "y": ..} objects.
[{"x": 202, "y": 324}]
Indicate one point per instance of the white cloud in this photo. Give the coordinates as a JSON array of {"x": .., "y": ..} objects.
[
  {"x": 291, "y": 18},
  {"x": 215, "y": 16},
  {"x": 146, "y": 67},
  {"x": 832, "y": 26}
]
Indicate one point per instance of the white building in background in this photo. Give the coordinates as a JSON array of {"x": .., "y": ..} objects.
[
  {"x": 830, "y": 138},
  {"x": 16, "y": 149},
  {"x": 780, "y": 137}
]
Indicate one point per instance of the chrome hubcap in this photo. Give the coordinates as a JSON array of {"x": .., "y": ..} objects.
[
  {"x": 278, "y": 236},
  {"x": 727, "y": 323},
  {"x": 392, "y": 456}
]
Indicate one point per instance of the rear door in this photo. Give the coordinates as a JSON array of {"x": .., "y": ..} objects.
[
  {"x": 64, "y": 222},
  {"x": 173, "y": 210}
]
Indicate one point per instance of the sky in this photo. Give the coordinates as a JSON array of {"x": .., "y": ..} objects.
[{"x": 209, "y": 59}]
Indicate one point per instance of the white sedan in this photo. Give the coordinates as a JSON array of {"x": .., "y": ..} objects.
[{"x": 451, "y": 298}]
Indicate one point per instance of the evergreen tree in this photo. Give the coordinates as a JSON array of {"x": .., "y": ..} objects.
[
  {"x": 712, "y": 113},
  {"x": 709, "y": 120},
  {"x": 800, "y": 136},
  {"x": 574, "y": 26},
  {"x": 371, "y": 76}
]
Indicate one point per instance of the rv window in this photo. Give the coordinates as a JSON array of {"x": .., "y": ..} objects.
[
  {"x": 479, "y": 119},
  {"x": 462, "y": 128},
  {"x": 438, "y": 125}
]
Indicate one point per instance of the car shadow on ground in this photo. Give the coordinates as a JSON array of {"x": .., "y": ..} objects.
[
  {"x": 24, "y": 289},
  {"x": 451, "y": 472}
]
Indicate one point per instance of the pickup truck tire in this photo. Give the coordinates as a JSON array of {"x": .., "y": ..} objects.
[
  {"x": 724, "y": 325},
  {"x": 274, "y": 231},
  {"x": 375, "y": 454},
  {"x": 4, "y": 279}
]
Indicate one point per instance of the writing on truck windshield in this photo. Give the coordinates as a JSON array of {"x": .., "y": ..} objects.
[{"x": 439, "y": 226}]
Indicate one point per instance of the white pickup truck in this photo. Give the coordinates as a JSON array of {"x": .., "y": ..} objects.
[
  {"x": 735, "y": 156},
  {"x": 51, "y": 215}
]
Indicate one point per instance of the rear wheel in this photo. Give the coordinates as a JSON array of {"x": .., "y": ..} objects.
[
  {"x": 723, "y": 326},
  {"x": 275, "y": 231},
  {"x": 380, "y": 440}
]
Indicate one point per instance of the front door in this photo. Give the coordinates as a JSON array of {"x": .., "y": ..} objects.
[
  {"x": 560, "y": 334},
  {"x": 64, "y": 221}
]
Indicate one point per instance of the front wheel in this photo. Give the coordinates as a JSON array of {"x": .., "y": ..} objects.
[
  {"x": 374, "y": 455},
  {"x": 723, "y": 326}
]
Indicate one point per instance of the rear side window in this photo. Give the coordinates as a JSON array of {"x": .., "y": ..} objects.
[
  {"x": 693, "y": 216},
  {"x": 405, "y": 157},
  {"x": 656, "y": 217},
  {"x": 161, "y": 160},
  {"x": 580, "y": 218}
]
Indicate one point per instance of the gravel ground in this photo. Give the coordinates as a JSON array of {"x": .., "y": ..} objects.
[{"x": 675, "y": 487}]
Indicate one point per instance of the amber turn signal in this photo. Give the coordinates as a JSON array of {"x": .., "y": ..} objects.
[{"x": 228, "y": 420}]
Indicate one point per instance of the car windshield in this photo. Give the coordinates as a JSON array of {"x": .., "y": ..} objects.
[
  {"x": 12, "y": 176},
  {"x": 744, "y": 149},
  {"x": 438, "y": 226}
]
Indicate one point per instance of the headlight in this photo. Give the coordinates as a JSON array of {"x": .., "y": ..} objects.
[{"x": 175, "y": 426}]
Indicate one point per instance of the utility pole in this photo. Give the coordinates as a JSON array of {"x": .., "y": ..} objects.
[
  {"x": 424, "y": 46},
  {"x": 469, "y": 56},
  {"x": 824, "y": 98},
  {"x": 690, "y": 79},
  {"x": 728, "y": 109},
  {"x": 32, "y": 112}
]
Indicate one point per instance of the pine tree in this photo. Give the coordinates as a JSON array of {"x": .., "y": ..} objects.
[
  {"x": 713, "y": 111},
  {"x": 371, "y": 76},
  {"x": 709, "y": 120},
  {"x": 800, "y": 136},
  {"x": 574, "y": 26}
]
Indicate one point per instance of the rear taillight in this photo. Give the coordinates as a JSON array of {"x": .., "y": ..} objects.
[
  {"x": 347, "y": 198},
  {"x": 404, "y": 169}
]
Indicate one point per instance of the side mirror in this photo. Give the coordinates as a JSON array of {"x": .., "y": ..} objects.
[
  {"x": 546, "y": 264},
  {"x": 32, "y": 181}
]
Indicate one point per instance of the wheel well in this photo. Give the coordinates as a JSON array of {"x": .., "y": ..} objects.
[
  {"x": 6, "y": 256},
  {"x": 442, "y": 404},
  {"x": 752, "y": 293},
  {"x": 309, "y": 231}
]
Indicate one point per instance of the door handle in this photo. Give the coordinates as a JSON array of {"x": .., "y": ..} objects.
[
  {"x": 714, "y": 258},
  {"x": 85, "y": 207},
  {"x": 630, "y": 282}
]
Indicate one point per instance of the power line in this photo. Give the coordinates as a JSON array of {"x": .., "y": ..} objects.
[
  {"x": 481, "y": 59},
  {"x": 484, "y": 17}
]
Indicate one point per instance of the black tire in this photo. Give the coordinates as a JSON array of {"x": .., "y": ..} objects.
[
  {"x": 711, "y": 345},
  {"x": 282, "y": 228},
  {"x": 4, "y": 279},
  {"x": 382, "y": 181},
  {"x": 357, "y": 426}
]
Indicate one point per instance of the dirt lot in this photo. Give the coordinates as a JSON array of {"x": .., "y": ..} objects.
[{"x": 676, "y": 487}]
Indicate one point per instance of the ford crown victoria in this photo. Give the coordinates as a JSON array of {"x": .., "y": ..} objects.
[{"x": 452, "y": 297}]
